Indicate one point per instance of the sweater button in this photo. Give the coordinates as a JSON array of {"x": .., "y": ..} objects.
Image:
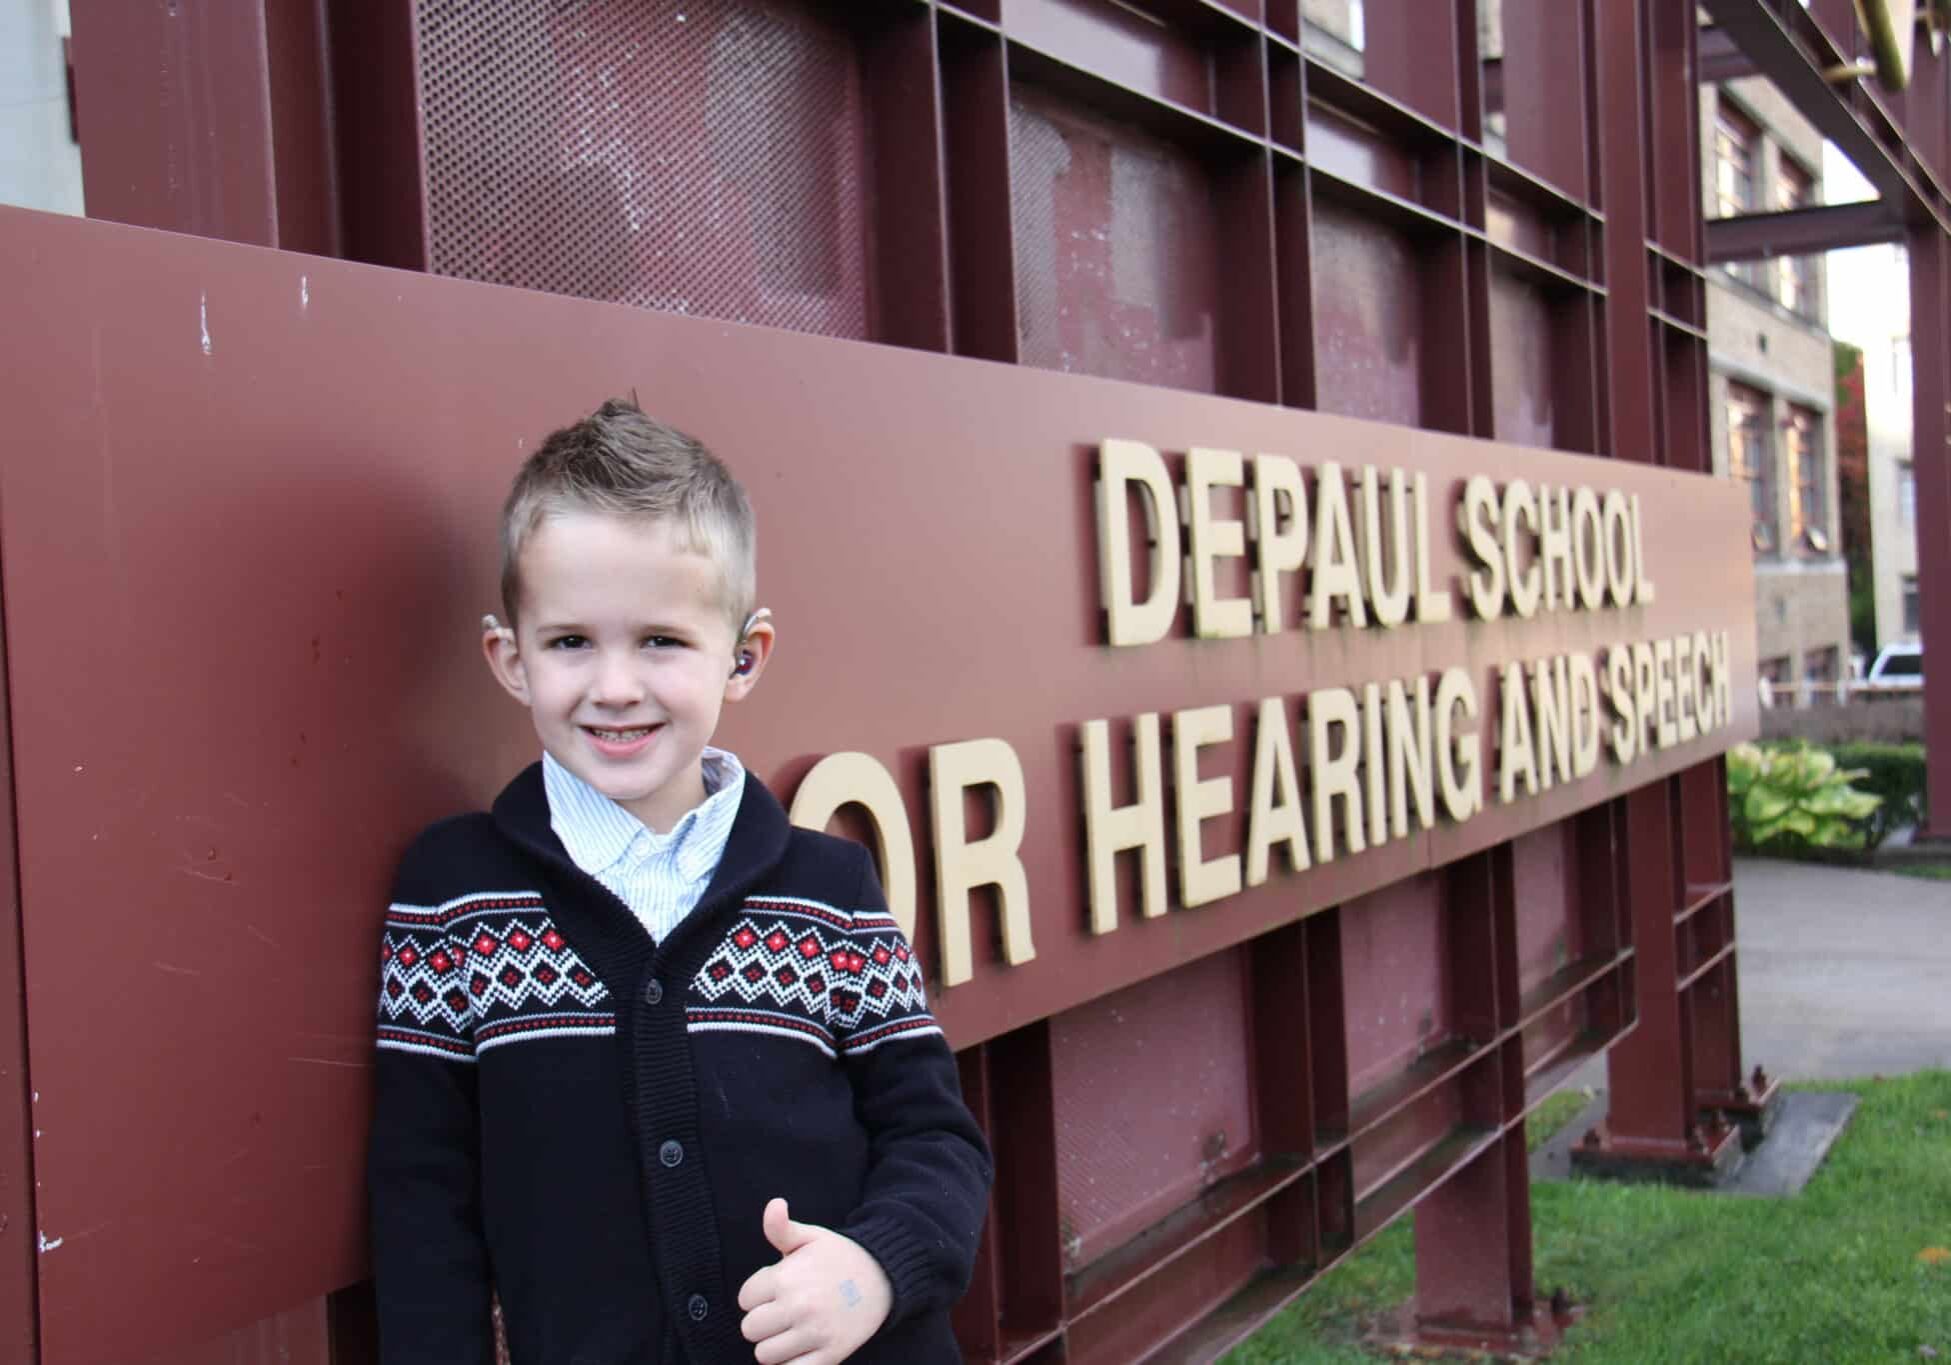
[
  {"x": 671, "y": 1154},
  {"x": 697, "y": 1307},
  {"x": 653, "y": 992}
]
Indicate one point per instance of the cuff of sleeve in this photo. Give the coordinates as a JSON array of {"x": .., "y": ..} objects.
[{"x": 909, "y": 1263}]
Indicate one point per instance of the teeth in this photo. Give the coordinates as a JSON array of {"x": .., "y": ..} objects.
[{"x": 620, "y": 736}]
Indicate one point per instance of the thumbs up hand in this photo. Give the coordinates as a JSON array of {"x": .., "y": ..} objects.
[{"x": 818, "y": 1302}]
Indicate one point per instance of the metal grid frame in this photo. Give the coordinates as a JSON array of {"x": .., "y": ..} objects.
[{"x": 1584, "y": 221}]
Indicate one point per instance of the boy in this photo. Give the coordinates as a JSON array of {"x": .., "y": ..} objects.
[{"x": 654, "y": 1066}]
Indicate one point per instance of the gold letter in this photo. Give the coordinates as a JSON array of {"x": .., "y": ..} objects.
[
  {"x": 1683, "y": 686},
  {"x": 1280, "y": 536},
  {"x": 1431, "y": 606},
  {"x": 1526, "y": 587},
  {"x": 1618, "y": 537},
  {"x": 1391, "y": 601},
  {"x": 1274, "y": 813},
  {"x": 1334, "y": 572},
  {"x": 1663, "y": 693},
  {"x": 1585, "y": 715},
  {"x": 1555, "y": 545},
  {"x": 1551, "y": 695},
  {"x": 1458, "y": 755},
  {"x": 1619, "y": 686},
  {"x": 1201, "y": 880},
  {"x": 1123, "y": 464},
  {"x": 1515, "y": 758},
  {"x": 1333, "y": 774},
  {"x": 1645, "y": 697},
  {"x": 1486, "y": 583},
  {"x": 1703, "y": 687},
  {"x": 859, "y": 780},
  {"x": 1588, "y": 549},
  {"x": 1109, "y": 830},
  {"x": 1411, "y": 766},
  {"x": 1215, "y": 617},
  {"x": 961, "y": 866},
  {"x": 1642, "y": 585}
]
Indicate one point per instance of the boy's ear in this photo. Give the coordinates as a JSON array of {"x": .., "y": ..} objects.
[
  {"x": 504, "y": 660},
  {"x": 749, "y": 658}
]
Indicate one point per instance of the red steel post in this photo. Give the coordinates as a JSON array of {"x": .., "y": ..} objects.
[
  {"x": 1930, "y": 340},
  {"x": 18, "y": 1246},
  {"x": 209, "y": 119}
]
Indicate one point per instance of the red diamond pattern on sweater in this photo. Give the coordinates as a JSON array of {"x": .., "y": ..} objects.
[
  {"x": 825, "y": 975},
  {"x": 520, "y": 966}
]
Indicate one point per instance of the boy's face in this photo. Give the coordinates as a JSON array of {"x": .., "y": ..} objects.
[{"x": 623, "y": 656}]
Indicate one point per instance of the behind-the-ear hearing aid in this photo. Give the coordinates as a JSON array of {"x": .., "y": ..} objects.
[
  {"x": 492, "y": 626},
  {"x": 745, "y": 661}
]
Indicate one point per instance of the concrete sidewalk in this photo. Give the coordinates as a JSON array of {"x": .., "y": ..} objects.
[{"x": 1843, "y": 972}]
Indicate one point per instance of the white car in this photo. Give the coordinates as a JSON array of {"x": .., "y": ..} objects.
[{"x": 1898, "y": 668}]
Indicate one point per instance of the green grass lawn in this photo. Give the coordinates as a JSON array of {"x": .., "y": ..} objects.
[{"x": 1856, "y": 1269}]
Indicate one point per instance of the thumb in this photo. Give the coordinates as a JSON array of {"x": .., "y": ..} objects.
[{"x": 785, "y": 1235}]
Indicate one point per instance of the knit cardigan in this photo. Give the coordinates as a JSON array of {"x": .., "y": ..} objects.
[{"x": 590, "y": 1124}]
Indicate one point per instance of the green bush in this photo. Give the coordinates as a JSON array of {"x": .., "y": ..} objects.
[
  {"x": 1795, "y": 799},
  {"x": 1894, "y": 772}
]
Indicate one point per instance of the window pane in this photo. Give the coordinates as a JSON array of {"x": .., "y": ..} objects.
[
  {"x": 1750, "y": 457},
  {"x": 1795, "y": 274},
  {"x": 1804, "y": 440},
  {"x": 1736, "y": 139}
]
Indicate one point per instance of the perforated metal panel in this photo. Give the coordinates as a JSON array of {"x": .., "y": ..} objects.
[
  {"x": 1116, "y": 248},
  {"x": 696, "y": 156},
  {"x": 1177, "y": 1043}
]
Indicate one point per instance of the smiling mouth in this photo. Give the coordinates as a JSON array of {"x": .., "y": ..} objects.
[{"x": 620, "y": 736}]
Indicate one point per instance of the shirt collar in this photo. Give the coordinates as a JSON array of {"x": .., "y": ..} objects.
[{"x": 597, "y": 833}]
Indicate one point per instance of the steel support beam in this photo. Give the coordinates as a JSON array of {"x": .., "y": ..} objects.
[
  {"x": 1720, "y": 59},
  {"x": 19, "y": 1230},
  {"x": 1865, "y": 132},
  {"x": 209, "y": 119},
  {"x": 1801, "y": 232},
  {"x": 1930, "y": 333}
]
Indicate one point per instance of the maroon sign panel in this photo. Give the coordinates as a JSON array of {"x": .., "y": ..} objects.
[{"x": 247, "y": 535}]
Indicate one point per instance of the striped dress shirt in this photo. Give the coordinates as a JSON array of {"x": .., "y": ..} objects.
[{"x": 661, "y": 877}]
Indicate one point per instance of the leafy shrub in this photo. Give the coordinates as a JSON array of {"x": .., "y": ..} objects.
[
  {"x": 1894, "y": 772},
  {"x": 1791, "y": 799}
]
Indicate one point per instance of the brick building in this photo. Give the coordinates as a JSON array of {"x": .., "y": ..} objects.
[{"x": 1770, "y": 386}]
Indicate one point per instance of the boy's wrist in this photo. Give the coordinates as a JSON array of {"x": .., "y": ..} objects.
[{"x": 904, "y": 1259}]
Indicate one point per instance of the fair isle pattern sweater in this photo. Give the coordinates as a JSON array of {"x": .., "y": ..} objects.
[{"x": 590, "y": 1123}]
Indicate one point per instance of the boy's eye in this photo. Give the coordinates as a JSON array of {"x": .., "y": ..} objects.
[
  {"x": 662, "y": 642},
  {"x": 568, "y": 642}
]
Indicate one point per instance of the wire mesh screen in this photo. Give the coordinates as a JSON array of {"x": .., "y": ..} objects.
[
  {"x": 1116, "y": 248},
  {"x": 694, "y": 156}
]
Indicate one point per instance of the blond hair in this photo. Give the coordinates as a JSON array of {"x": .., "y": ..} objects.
[{"x": 620, "y": 461}]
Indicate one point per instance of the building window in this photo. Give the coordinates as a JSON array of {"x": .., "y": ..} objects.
[
  {"x": 1737, "y": 152},
  {"x": 1750, "y": 457},
  {"x": 1913, "y": 616},
  {"x": 1899, "y": 363},
  {"x": 1906, "y": 495},
  {"x": 1795, "y": 284},
  {"x": 1803, "y": 441}
]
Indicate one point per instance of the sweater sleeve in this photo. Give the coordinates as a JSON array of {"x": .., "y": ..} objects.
[
  {"x": 430, "y": 1259},
  {"x": 927, "y": 1189}
]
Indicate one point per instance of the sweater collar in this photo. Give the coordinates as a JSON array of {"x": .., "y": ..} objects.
[{"x": 609, "y": 933}]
